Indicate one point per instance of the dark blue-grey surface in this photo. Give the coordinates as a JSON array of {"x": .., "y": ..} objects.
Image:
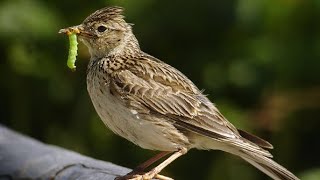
[{"x": 22, "y": 157}]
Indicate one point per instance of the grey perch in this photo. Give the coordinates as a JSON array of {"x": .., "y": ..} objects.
[{"x": 22, "y": 157}]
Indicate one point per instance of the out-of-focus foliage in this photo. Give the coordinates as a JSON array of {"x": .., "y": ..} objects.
[
  {"x": 311, "y": 174},
  {"x": 258, "y": 60}
]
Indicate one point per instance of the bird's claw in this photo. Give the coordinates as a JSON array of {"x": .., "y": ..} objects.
[{"x": 146, "y": 176}]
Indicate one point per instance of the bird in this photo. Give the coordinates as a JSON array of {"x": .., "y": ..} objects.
[{"x": 154, "y": 105}]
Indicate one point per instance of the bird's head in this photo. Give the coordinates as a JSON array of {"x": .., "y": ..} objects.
[{"x": 104, "y": 32}]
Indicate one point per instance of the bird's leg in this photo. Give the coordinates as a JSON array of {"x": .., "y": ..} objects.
[
  {"x": 161, "y": 177},
  {"x": 151, "y": 174},
  {"x": 150, "y": 161},
  {"x": 139, "y": 169}
]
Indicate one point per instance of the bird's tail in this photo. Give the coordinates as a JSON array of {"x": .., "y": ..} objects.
[{"x": 266, "y": 165}]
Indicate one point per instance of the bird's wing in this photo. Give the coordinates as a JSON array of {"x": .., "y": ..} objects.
[
  {"x": 155, "y": 88},
  {"x": 152, "y": 86}
]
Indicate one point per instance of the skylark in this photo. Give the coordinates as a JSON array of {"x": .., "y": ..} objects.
[{"x": 155, "y": 106}]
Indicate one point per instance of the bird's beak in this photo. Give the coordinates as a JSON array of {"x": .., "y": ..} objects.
[
  {"x": 74, "y": 29},
  {"x": 79, "y": 30}
]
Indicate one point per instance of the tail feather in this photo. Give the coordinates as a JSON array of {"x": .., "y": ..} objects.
[
  {"x": 255, "y": 139},
  {"x": 267, "y": 165}
]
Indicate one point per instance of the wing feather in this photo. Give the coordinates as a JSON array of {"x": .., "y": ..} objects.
[
  {"x": 156, "y": 88},
  {"x": 160, "y": 88}
]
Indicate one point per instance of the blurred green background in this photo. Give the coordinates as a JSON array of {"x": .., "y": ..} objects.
[{"x": 258, "y": 59}]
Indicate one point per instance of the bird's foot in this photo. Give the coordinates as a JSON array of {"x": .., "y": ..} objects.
[{"x": 143, "y": 176}]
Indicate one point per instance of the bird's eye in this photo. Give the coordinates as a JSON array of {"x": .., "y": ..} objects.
[{"x": 102, "y": 29}]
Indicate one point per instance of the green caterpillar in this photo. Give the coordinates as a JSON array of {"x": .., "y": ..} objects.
[{"x": 72, "y": 50}]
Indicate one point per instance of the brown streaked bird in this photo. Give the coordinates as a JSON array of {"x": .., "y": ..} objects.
[{"x": 155, "y": 106}]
